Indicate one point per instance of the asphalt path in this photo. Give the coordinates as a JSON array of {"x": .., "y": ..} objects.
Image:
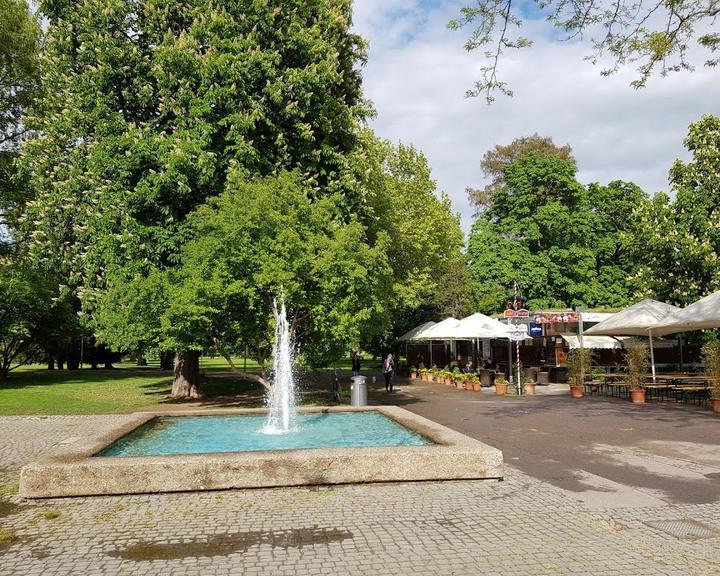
[{"x": 605, "y": 452}]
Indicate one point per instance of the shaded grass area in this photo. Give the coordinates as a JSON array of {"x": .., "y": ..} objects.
[
  {"x": 36, "y": 390},
  {"x": 81, "y": 391}
]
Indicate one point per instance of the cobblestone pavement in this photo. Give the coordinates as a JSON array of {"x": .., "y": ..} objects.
[{"x": 522, "y": 526}]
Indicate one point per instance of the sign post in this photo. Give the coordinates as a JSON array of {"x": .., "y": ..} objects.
[
  {"x": 515, "y": 309},
  {"x": 517, "y": 334}
]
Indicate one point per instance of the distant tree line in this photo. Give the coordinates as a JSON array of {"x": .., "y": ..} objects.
[{"x": 600, "y": 245}]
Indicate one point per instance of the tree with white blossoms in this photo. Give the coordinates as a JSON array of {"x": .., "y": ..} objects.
[
  {"x": 148, "y": 105},
  {"x": 677, "y": 242}
]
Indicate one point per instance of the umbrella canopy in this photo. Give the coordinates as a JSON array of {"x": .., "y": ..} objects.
[
  {"x": 479, "y": 326},
  {"x": 701, "y": 315},
  {"x": 638, "y": 320},
  {"x": 440, "y": 331},
  {"x": 415, "y": 332},
  {"x": 609, "y": 343}
]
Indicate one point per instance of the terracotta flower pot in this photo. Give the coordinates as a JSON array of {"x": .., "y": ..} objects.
[
  {"x": 477, "y": 386},
  {"x": 577, "y": 391},
  {"x": 501, "y": 389},
  {"x": 530, "y": 389},
  {"x": 413, "y": 376},
  {"x": 637, "y": 396},
  {"x": 716, "y": 405}
]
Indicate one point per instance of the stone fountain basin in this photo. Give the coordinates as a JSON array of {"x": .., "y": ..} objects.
[{"x": 72, "y": 469}]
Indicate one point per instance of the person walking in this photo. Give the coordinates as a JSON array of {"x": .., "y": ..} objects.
[
  {"x": 388, "y": 372},
  {"x": 356, "y": 363}
]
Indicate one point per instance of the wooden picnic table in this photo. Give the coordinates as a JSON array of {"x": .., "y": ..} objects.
[
  {"x": 680, "y": 387},
  {"x": 607, "y": 383}
]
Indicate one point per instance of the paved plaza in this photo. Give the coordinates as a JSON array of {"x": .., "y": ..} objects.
[{"x": 592, "y": 487}]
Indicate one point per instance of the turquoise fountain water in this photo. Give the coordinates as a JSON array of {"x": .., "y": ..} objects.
[{"x": 207, "y": 434}]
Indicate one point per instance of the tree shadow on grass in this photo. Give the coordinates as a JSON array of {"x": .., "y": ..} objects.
[{"x": 27, "y": 379}]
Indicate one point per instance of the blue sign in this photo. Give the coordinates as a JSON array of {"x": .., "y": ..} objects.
[{"x": 536, "y": 330}]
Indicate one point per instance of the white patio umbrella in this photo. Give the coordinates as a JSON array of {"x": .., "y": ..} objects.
[
  {"x": 701, "y": 315},
  {"x": 415, "y": 332},
  {"x": 637, "y": 320},
  {"x": 479, "y": 326},
  {"x": 437, "y": 331},
  {"x": 440, "y": 331}
]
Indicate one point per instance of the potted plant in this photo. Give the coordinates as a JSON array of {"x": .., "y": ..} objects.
[
  {"x": 433, "y": 373},
  {"x": 413, "y": 372},
  {"x": 578, "y": 364},
  {"x": 458, "y": 378},
  {"x": 636, "y": 360},
  {"x": 472, "y": 382},
  {"x": 529, "y": 386},
  {"x": 501, "y": 386},
  {"x": 423, "y": 372},
  {"x": 711, "y": 359}
]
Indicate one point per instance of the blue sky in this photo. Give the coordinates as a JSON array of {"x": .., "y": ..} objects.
[{"x": 418, "y": 72}]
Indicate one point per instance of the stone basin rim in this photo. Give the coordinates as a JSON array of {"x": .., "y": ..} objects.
[{"x": 73, "y": 470}]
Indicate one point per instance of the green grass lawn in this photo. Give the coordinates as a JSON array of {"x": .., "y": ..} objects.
[
  {"x": 84, "y": 391},
  {"x": 35, "y": 390}
]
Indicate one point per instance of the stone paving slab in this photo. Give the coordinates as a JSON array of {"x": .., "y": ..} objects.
[{"x": 521, "y": 526}]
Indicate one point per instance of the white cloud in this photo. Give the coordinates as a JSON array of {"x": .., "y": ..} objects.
[{"x": 418, "y": 72}]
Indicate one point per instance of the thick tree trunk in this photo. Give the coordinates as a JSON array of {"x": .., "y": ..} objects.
[
  {"x": 141, "y": 361},
  {"x": 166, "y": 360},
  {"x": 187, "y": 375},
  {"x": 51, "y": 363},
  {"x": 60, "y": 363}
]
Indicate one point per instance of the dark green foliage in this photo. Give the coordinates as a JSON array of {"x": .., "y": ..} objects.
[
  {"x": 560, "y": 241},
  {"x": 19, "y": 83},
  {"x": 26, "y": 312},
  {"x": 250, "y": 244}
]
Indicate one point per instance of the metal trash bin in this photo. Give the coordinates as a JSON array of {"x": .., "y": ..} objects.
[{"x": 358, "y": 391}]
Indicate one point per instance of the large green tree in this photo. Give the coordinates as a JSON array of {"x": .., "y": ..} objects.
[
  {"x": 495, "y": 161},
  {"x": 424, "y": 238},
  {"x": 25, "y": 312},
  {"x": 678, "y": 241},
  {"x": 659, "y": 37},
  {"x": 147, "y": 106},
  {"x": 19, "y": 46},
  {"x": 19, "y": 82},
  {"x": 560, "y": 241},
  {"x": 252, "y": 243}
]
